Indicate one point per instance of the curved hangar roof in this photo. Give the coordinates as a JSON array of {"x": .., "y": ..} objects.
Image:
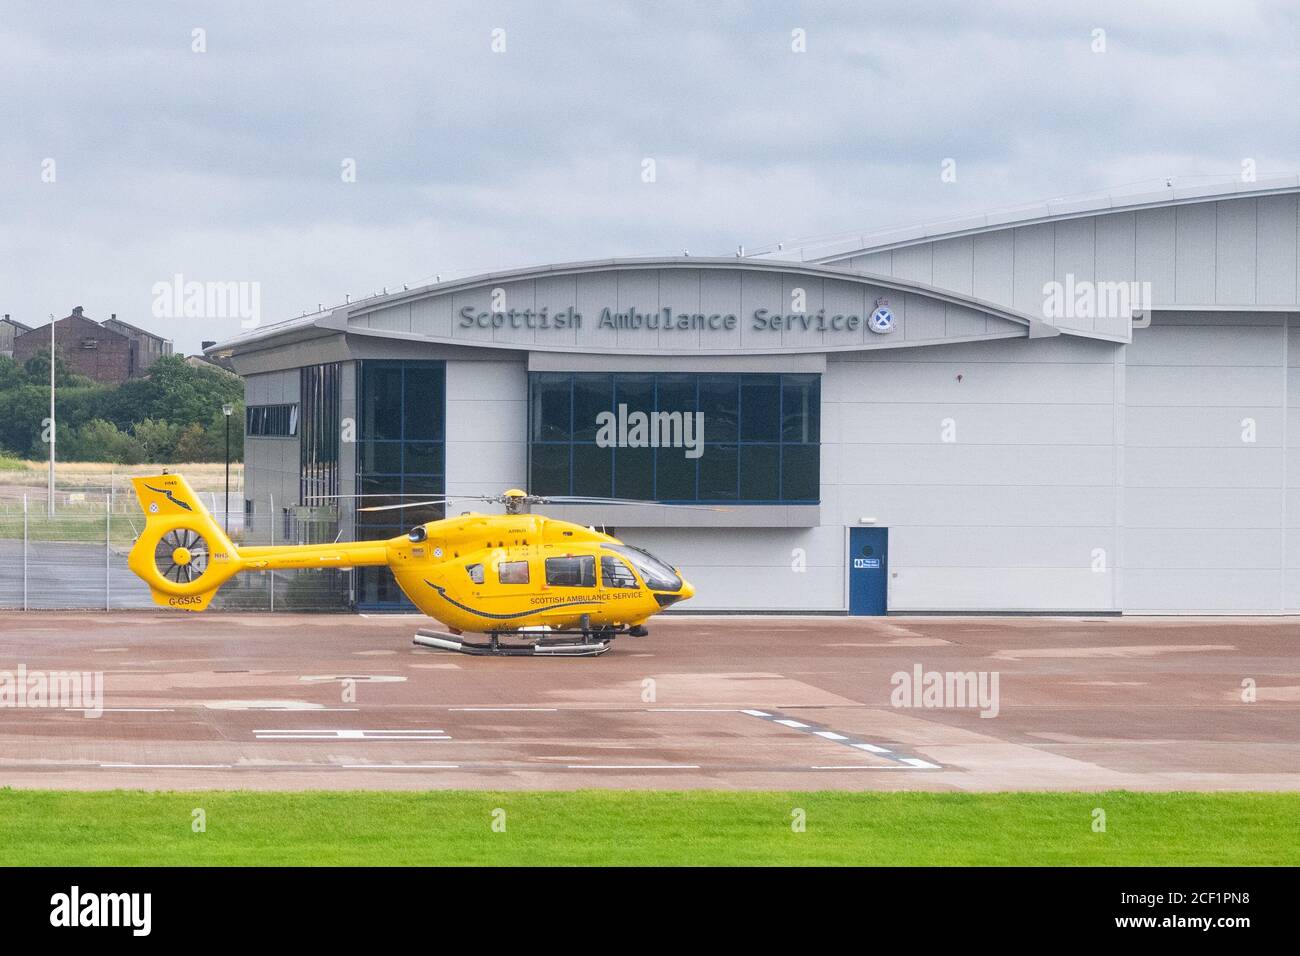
[
  {"x": 663, "y": 306},
  {"x": 1222, "y": 247}
]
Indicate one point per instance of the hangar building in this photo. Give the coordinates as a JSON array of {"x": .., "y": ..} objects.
[{"x": 1077, "y": 407}]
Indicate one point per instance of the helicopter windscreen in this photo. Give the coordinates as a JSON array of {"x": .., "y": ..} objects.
[{"x": 657, "y": 575}]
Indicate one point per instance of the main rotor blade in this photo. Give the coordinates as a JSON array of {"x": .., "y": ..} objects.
[
  {"x": 579, "y": 500},
  {"x": 409, "y": 504}
]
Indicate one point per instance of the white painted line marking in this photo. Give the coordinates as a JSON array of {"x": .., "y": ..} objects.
[
  {"x": 400, "y": 766},
  {"x": 830, "y": 735},
  {"x": 633, "y": 766},
  {"x": 270, "y": 737},
  {"x": 123, "y": 710},
  {"x": 165, "y": 766},
  {"x": 793, "y": 723},
  {"x": 919, "y": 763},
  {"x": 493, "y": 710},
  {"x": 870, "y": 748},
  {"x": 756, "y": 713},
  {"x": 426, "y": 730}
]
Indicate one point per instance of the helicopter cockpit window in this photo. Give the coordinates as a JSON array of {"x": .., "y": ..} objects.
[
  {"x": 572, "y": 572},
  {"x": 657, "y": 575},
  {"x": 615, "y": 574},
  {"x": 512, "y": 572},
  {"x": 475, "y": 572}
]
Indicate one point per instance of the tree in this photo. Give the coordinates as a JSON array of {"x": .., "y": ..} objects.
[
  {"x": 37, "y": 371},
  {"x": 99, "y": 440},
  {"x": 156, "y": 440}
]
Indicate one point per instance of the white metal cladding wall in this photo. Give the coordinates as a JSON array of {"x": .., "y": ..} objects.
[
  {"x": 272, "y": 465},
  {"x": 487, "y": 426},
  {"x": 1010, "y": 514},
  {"x": 1233, "y": 252},
  {"x": 1209, "y": 513}
]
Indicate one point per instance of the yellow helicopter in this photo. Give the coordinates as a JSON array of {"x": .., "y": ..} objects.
[{"x": 565, "y": 589}]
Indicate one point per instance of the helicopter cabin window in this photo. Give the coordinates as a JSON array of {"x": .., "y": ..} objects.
[
  {"x": 475, "y": 572},
  {"x": 572, "y": 572},
  {"x": 615, "y": 574},
  {"x": 512, "y": 572}
]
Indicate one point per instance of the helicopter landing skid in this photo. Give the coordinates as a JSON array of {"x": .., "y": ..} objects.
[{"x": 589, "y": 644}]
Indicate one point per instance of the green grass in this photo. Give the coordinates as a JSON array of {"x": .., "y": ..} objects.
[{"x": 53, "y": 828}]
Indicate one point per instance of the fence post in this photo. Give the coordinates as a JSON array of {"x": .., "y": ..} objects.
[
  {"x": 24, "y": 552},
  {"x": 271, "y": 574},
  {"x": 108, "y": 551}
]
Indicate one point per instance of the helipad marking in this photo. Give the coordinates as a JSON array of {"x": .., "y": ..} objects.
[
  {"x": 899, "y": 763},
  {"x": 123, "y": 710},
  {"x": 400, "y": 766},
  {"x": 507, "y": 710},
  {"x": 349, "y": 734}
]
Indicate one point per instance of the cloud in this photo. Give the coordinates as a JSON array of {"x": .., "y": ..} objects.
[{"x": 226, "y": 165}]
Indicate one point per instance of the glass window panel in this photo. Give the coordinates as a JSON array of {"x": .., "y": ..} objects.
[
  {"x": 423, "y": 401},
  {"x": 800, "y": 472},
  {"x": 636, "y": 391},
  {"x": 674, "y": 475},
  {"x": 551, "y": 407},
  {"x": 719, "y": 401},
  {"x": 800, "y": 408},
  {"x": 381, "y": 402},
  {"x": 760, "y": 478},
  {"x": 578, "y": 571},
  {"x": 423, "y": 458},
  {"x": 592, "y": 394},
  {"x": 614, "y": 573},
  {"x": 593, "y": 471},
  {"x": 512, "y": 572},
  {"x": 634, "y": 473},
  {"x": 676, "y": 393},
  {"x": 382, "y": 457},
  {"x": 718, "y": 473},
  {"x": 760, "y": 408},
  {"x": 550, "y": 470}
]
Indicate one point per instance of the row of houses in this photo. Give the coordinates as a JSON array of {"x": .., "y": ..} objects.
[{"x": 110, "y": 351}]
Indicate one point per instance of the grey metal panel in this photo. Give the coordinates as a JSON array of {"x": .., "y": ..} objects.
[
  {"x": 557, "y": 294},
  {"x": 759, "y": 291},
  {"x": 1015, "y": 423},
  {"x": 593, "y": 292},
  {"x": 1202, "y": 386},
  {"x": 1115, "y": 239},
  {"x": 679, "y": 290},
  {"x": 1224, "y": 468},
  {"x": 1238, "y": 343},
  {"x": 945, "y": 504},
  {"x": 1182, "y": 549},
  {"x": 486, "y": 448},
  {"x": 1194, "y": 254},
  {"x": 1033, "y": 267},
  {"x": 1174, "y": 426},
  {"x": 639, "y": 291},
  {"x": 927, "y": 319},
  {"x": 920, "y": 465},
  {"x": 1236, "y": 253},
  {"x": 518, "y": 296},
  {"x": 1219, "y": 591},
  {"x": 992, "y": 255},
  {"x": 814, "y": 299},
  {"x": 719, "y": 293},
  {"x": 1156, "y": 240},
  {"x": 1074, "y": 255},
  {"x": 1018, "y": 589},
  {"x": 432, "y": 316},
  {"x": 847, "y": 299},
  {"x": 915, "y": 263},
  {"x": 960, "y": 321},
  {"x": 1203, "y": 508},
  {"x": 997, "y": 547},
  {"x": 954, "y": 265},
  {"x": 1278, "y": 221}
]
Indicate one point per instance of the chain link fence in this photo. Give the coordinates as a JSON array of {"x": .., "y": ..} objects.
[{"x": 77, "y": 557}]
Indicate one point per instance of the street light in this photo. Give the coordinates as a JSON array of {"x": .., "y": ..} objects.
[{"x": 227, "y": 409}]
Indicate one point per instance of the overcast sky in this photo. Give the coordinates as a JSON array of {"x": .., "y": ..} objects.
[{"x": 228, "y": 165}]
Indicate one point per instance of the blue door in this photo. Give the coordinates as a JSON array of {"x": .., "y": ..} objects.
[{"x": 868, "y": 568}]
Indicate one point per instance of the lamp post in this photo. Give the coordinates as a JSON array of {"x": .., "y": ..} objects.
[
  {"x": 50, "y": 495},
  {"x": 227, "y": 409}
]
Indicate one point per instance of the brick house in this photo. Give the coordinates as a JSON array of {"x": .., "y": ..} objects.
[{"x": 109, "y": 353}]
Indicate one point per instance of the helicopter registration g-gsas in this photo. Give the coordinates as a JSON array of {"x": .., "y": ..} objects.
[{"x": 564, "y": 589}]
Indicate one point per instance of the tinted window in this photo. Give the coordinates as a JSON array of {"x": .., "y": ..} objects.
[
  {"x": 615, "y": 574},
  {"x": 656, "y": 574},
  {"x": 571, "y": 572},
  {"x": 475, "y": 572},
  {"x": 512, "y": 572}
]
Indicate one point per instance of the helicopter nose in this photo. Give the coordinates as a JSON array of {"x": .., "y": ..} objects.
[{"x": 687, "y": 590}]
